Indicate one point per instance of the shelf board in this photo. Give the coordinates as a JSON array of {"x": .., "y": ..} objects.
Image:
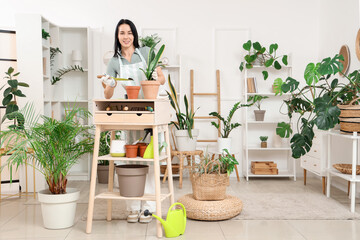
[
  {"x": 162, "y": 157},
  {"x": 259, "y": 67},
  {"x": 116, "y": 196},
  {"x": 45, "y": 47},
  {"x": 344, "y": 135},
  {"x": 282, "y": 173},
  {"x": 172, "y": 66},
  {"x": 46, "y": 77},
  {"x": 267, "y": 94},
  {"x": 347, "y": 177},
  {"x": 72, "y": 101},
  {"x": 269, "y": 149},
  {"x": 264, "y": 122},
  {"x": 76, "y": 173},
  {"x": 125, "y": 112}
]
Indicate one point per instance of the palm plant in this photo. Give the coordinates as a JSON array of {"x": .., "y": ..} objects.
[
  {"x": 185, "y": 121},
  {"x": 56, "y": 145},
  {"x": 153, "y": 61}
]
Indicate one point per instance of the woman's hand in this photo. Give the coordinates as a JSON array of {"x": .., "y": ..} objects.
[{"x": 160, "y": 75}]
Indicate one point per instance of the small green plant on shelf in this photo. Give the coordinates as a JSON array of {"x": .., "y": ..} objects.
[
  {"x": 45, "y": 34},
  {"x": 150, "y": 41},
  {"x": 259, "y": 55},
  {"x": 263, "y": 140},
  {"x": 256, "y": 100}
]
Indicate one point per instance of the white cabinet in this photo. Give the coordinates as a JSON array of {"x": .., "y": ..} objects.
[
  {"x": 278, "y": 150},
  {"x": 74, "y": 89}
]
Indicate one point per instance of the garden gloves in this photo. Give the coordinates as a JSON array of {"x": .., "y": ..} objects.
[{"x": 108, "y": 80}]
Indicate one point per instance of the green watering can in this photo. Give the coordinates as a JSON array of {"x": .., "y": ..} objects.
[{"x": 175, "y": 223}]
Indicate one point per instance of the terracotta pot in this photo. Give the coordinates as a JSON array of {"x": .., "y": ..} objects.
[
  {"x": 150, "y": 89},
  {"x": 132, "y": 91},
  {"x": 142, "y": 149},
  {"x": 131, "y": 151},
  {"x": 263, "y": 144}
]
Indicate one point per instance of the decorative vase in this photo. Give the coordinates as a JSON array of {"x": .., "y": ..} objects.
[
  {"x": 132, "y": 91},
  {"x": 259, "y": 115},
  {"x": 184, "y": 142},
  {"x": 58, "y": 210},
  {"x": 132, "y": 179},
  {"x": 150, "y": 89},
  {"x": 131, "y": 151},
  {"x": 224, "y": 143},
  {"x": 263, "y": 144}
]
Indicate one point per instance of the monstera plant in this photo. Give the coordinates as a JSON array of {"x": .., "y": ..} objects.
[{"x": 317, "y": 103}]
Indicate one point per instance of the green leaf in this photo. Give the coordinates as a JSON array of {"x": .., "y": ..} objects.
[
  {"x": 334, "y": 83},
  {"x": 257, "y": 46},
  {"x": 277, "y": 65},
  {"x": 7, "y": 99},
  {"x": 265, "y": 74},
  {"x": 10, "y": 70},
  {"x": 13, "y": 83},
  {"x": 327, "y": 115},
  {"x": 273, "y": 47},
  {"x": 16, "y": 74},
  {"x": 248, "y": 58},
  {"x": 19, "y": 93},
  {"x": 7, "y": 91},
  {"x": 247, "y": 45},
  {"x": 262, "y": 50},
  {"x": 22, "y": 84},
  {"x": 285, "y": 60},
  {"x": 248, "y": 66},
  {"x": 277, "y": 86},
  {"x": 284, "y": 130},
  {"x": 241, "y": 67},
  {"x": 289, "y": 85},
  {"x": 331, "y": 65},
  {"x": 311, "y": 73},
  {"x": 269, "y": 62},
  {"x": 11, "y": 108}
]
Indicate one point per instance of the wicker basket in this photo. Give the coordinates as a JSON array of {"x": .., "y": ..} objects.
[
  {"x": 350, "y": 117},
  {"x": 346, "y": 168},
  {"x": 175, "y": 168},
  {"x": 209, "y": 187}
]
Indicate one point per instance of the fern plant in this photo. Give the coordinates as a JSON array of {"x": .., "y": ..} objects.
[
  {"x": 62, "y": 71},
  {"x": 227, "y": 125}
]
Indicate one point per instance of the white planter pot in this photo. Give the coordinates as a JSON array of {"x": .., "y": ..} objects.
[
  {"x": 224, "y": 143},
  {"x": 58, "y": 210},
  {"x": 184, "y": 142}
]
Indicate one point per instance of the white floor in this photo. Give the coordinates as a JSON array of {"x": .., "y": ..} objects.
[{"x": 24, "y": 221}]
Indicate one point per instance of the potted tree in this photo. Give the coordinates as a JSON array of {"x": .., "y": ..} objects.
[
  {"x": 256, "y": 100},
  {"x": 318, "y": 103},
  {"x": 56, "y": 147},
  {"x": 150, "y": 87},
  {"x": 224, "y": 142},
  {"x": 259, "y": 55},
  {"x": 263, "y": 140},
  {"x": 185, "y": 135}
]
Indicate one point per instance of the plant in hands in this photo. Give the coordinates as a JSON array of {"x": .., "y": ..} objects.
[
  {"x": 153, "y": 62},
  {"x": 227, "y": 125},
  {"x": 267, "y": 58},
  {"x": 185, "y": 121},
  {"x": 256, "y": 100}
]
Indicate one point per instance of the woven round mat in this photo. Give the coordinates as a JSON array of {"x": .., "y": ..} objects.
[{"x": 211, "y": 210}]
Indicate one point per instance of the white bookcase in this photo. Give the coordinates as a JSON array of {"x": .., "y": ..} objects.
[
  {"x": 74, "y": 88},
  {"x": 276, "y": 110}
]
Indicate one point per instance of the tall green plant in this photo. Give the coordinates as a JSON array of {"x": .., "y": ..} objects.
[
  {"x": 256, "y": 100},
  {"x": 227, "y": 125},
  {"x": 185, "y": 121},
  {"x": 57, "y": 145},
  {"x": 153, "y": 61}
]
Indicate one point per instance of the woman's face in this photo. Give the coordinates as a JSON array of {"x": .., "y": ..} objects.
[{"x": 126, "y": 37}]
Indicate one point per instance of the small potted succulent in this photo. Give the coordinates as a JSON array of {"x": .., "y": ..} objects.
[
  {"x": 263, "y": 140},
  {"x": 150, "y": 87},
  {"x": 256, "y": 100}
]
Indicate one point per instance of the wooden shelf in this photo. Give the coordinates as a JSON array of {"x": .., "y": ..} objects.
[
  {"x": 283, "y": 173},
  {"x": 162, "y": 157},
  {"x": 116, "y": 196},
  {"x": 269, "y": 149},
  {"x": 268, "y": 94}
]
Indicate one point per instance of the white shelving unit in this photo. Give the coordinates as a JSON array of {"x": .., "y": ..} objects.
[
  {"x": 281, "y": 153},
  {"x": 74, "y": 88}
]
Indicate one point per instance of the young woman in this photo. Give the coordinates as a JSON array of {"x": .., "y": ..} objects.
[{"x": 126, "y": 63}]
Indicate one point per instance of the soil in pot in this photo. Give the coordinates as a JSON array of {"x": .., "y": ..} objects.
[
  {"x": 150, "y": 89},
  {"x": 132, "y": 91},
  {"x": 131, "y": 151},
  {"x": 132, "y": 179}
]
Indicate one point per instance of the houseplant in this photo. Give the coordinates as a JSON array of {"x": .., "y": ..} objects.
[
  {"x": 57, "y": 146},
  {"x": 150, "y": 41},
  {"x": 256, "y": 100},
  {"x": 185, "y": 135},
  {"x": 263, "y": 140},
  {"x": 317, "y": 103},
  {"x": 259, "y": 55},
  {"x": 150, "y": 86},
  {"x": 225, "y": 142}
]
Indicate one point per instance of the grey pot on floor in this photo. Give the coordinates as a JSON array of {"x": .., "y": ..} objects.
[{"x": 103, "y": 173}]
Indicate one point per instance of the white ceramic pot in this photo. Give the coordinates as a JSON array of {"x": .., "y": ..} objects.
[
  {"x": 184, "y": 142},
  {"x": 224, "y": 143},
  {"x": 58, "y": 210},
  {"x": 117, "y": 147}
]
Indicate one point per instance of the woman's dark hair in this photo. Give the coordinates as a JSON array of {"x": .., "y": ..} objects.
[{"x": 117, "y": 45}]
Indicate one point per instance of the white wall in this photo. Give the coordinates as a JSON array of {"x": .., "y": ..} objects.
[{"x": 294, "y": 25}]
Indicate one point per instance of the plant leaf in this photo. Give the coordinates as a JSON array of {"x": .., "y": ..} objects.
[
  {"x": 311, "y": 73},
  {"x": 269, "y": 62},
  {"x": 247, "y": 45},
  {"x": 284, "y": 130},
  {"x": 22, "y": 84},
  {"x": 277, "y": 65},
  {"x": 13, "y": 83},
  {"x": 290, "y": 85},
  {"x": 257, "y": 46},
  {"x": 7, "y": 99},
  {"x": 327, "y": 115},
  {"x": 277, "y": 86},
  {"x": 285, "y": 60},
  {"x": 265, "y": 74}
]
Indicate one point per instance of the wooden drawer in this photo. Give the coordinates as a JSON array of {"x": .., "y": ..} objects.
[
  {"x": 124, "y": 118},
  {"x": 311, "y": 164}
]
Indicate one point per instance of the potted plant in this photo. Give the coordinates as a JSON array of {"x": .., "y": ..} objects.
[
  {"x": 263, "y": 140},
  {"x": 185, "y": 135},
  {"x": 318, "y": 103},
  {"x": 256, "y": 100},
  {"x": 150, "y": 41},
  {"x": 150, "y": 87},
  {"x": 56, "y": 147},
  {"x": 224, "y": 142},
  {"x": 259, "y": 55},
  {"x": 209, "y": 178}
]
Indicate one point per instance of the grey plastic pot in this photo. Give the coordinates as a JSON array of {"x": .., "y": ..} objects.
[
  {"x": 259, "y": 115},
  {"x": 132, "y": 179},
  {"x": 103, "y": 173}
]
